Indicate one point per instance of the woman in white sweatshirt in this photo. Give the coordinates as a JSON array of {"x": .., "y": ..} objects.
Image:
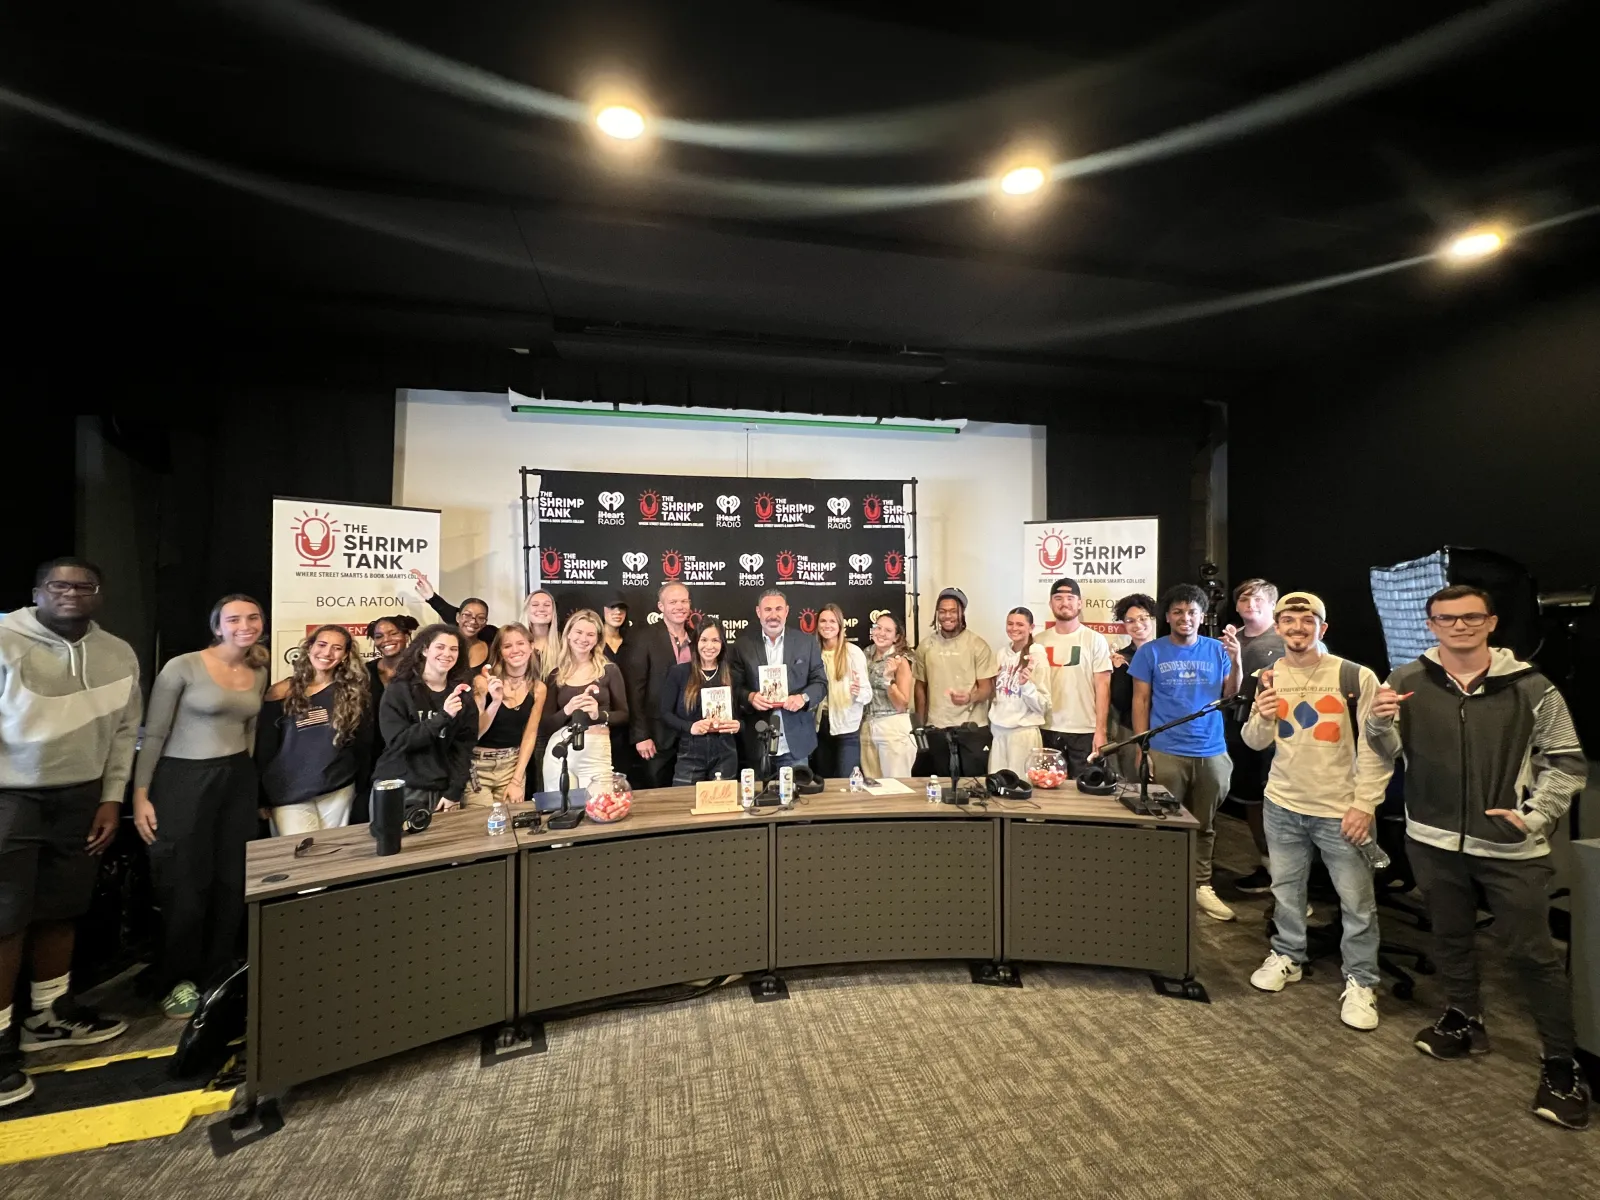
[
  {"x": 1021, "y": 696},
  {"x": 849, "y": 690}
]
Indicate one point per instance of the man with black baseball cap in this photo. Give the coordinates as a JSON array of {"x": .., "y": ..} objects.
[{"x": 1080, "y": 678}]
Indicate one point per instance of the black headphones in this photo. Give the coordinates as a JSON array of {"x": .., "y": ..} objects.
[
  {"x": 1098, "y": 779},
  {"x": 1008, "y": 785},
  {"x": 805, "y": 783}
]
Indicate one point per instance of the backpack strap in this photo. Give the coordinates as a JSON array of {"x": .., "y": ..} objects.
[{"x": 1350, "y": 687}]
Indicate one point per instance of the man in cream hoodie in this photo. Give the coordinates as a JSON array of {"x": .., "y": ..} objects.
[{"x": 69, "y": 719}]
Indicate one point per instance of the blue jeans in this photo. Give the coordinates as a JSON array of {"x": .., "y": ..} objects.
[
  {"x": 838, "y": 755},
  {"x": 1290, "y": 837}
]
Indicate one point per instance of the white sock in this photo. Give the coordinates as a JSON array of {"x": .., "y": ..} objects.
[
  {"x": 44, "y": 992},
  {"x": 5, "y": 1018}
]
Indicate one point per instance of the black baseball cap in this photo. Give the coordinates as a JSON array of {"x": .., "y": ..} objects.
[
  {"x": 1066, "y": 585},
  {"x": 616, "y": 600}
]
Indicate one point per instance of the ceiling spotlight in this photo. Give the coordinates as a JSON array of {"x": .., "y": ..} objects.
[
  {"x": 621, "y": 122},
  {"x": 1022, "y": 181},
  {"x": 1474, "y": 245}
]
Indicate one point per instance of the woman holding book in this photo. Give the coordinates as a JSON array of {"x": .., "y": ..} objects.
[{"x": 697, "y": 701}]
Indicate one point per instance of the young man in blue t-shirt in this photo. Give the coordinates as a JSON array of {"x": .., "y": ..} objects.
[{"x": 1173, "y": 677}]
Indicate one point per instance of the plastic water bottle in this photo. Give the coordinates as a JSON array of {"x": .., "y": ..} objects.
[
  {"x": 1377, "y": 858},
  {"x": 499, "y": 818},
  {"x": 858, "y": 781},
  {"x": 935, "y": 790}
]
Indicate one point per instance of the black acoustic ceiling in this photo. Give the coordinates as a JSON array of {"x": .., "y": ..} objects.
[{"x": 211, "y": 168}]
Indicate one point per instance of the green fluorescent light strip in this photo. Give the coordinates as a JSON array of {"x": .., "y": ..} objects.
[{"x": 812, "y": 422}]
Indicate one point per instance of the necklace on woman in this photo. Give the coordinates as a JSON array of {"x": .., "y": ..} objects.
[{"x": 708, "y": 674}]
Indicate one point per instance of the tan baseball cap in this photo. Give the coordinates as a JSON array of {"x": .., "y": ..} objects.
[{"x": 1302, "y": 601}]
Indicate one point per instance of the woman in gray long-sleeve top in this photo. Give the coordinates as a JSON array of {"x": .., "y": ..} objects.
[{"x": 194, "y": 797}]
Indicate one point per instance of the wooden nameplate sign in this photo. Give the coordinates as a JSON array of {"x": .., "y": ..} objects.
[{"x": 716, "y": 796}]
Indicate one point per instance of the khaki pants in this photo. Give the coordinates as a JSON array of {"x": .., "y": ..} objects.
[
  {"x": 327, "y": 811},
  {"x": 491, "y": 774},
  {"x": 1199, "y": 784},
  {"x": 887, "y": 749},
  {"x": 1010, "y": 748}
]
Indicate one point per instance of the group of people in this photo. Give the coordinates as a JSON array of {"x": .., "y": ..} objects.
[{"x": 464, "y": 712}]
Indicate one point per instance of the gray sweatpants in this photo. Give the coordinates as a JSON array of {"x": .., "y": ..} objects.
[
  {"x": 1518, "y": 894},
  {"x": 1199, "y": 784}
]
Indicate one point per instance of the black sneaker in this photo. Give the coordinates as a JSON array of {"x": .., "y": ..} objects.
[
  {"x": 1563, "y": 1096},
  {"x": 68, "y": 1023},
  {"x": 1258, "y": 881},
  {"x": 1454, "y": 1035},
  {"x": 14, "y": 1085}
]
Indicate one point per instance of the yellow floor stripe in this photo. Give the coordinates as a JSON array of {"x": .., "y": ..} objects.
[
  {"x": 105, "y": 1125},
  {"x": 81, "y": 1064}
]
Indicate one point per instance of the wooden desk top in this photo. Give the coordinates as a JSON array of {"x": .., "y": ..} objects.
[{"x": 461, "y": 836}]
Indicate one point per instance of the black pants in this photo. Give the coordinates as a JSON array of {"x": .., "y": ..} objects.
[
  {"x": 1518, "y": 893},
  {"x": 657, "y": 772},
  {"x": 1074, "y": 747},
  {"x": 205, "y": 813},
  {"x": 699, "y": 758}
]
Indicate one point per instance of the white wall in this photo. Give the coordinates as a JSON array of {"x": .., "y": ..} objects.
[{"x": 460, "y": 452}]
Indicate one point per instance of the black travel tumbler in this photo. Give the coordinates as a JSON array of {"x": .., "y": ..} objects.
[{"x": 388, "y": 814}]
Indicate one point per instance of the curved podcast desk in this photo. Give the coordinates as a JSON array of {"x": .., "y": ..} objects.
[{"x": 355, "y": 957}]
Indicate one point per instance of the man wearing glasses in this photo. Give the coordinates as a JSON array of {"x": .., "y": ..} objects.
[
  {"x": 69, "y": 718},
  {"x": 1491, "y": 764}
]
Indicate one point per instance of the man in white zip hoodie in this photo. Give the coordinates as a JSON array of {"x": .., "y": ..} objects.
[{"x": 69, "y": 719}]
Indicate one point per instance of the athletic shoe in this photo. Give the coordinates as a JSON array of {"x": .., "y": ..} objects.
[
  {"x": 1454, "y": 1035},
  {"x": 1258, "y": 881},
  {"x": 1358, "y": 1005},
  {"x": 68, "y": 1023},
  {"x": 14, "y": 1084},
  {"x": 1278, "y": 970},
  {"x": 1563, "y": 1096},
  {"x": 1206, "y": 897},
  {"x": 181, "y": 1001}
]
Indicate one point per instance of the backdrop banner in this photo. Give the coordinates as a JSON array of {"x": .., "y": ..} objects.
[
  {"x": 345, "y": 564},
  {"x": 1109, "y": 558},
  {"x": 592, "y": 534}
]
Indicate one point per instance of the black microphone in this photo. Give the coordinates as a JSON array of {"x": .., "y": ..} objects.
[
  {"x": 581, "y": 720},
  {"x": 768, "y": 731}
]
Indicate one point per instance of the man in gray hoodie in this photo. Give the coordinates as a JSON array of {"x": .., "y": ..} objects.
[{"x": 69, "y": 719}]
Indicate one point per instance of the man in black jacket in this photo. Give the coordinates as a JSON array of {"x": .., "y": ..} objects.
[
  {"x": 773, "y": 643},
  {"x": 1492, "y": 763},
  {"x": 648, "y": 656}
]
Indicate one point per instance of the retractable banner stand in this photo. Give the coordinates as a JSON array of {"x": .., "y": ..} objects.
[
  {"x": 591, "y": 534},
  {"x": 345, "y": 564},
  {"x": 1109, "y": 559}
]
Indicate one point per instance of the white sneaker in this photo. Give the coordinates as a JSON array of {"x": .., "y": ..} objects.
[
  {"x": 1278, "y": 970},
  {"x": 1206, "y": 897},
  {"x": 1358, "y": 1005}
]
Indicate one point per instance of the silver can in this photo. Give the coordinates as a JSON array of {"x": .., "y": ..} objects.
[
  {"x": 747, "y": 788},
  {"x": 786, "y": 786}
]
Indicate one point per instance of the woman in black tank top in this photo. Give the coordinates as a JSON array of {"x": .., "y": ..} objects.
[{"x": 509, "y": 696}]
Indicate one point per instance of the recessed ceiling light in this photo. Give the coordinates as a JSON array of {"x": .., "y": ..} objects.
[
  {"x": 1474, "y": 245},
  {"x": 1022, "y": 181},
  {"x": 620, "y": 121}
]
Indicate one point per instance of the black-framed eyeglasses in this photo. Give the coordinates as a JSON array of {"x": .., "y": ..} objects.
[
  {"x": 66, "y": 587},
  {"x": 304, "y": 849},
  {"x": 1470, "y": 620}
]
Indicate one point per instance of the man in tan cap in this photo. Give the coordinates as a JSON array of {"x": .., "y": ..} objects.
[{"x": 1325, "y": 784}]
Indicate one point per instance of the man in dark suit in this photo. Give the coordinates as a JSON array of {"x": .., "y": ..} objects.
[
  {"x": 647, "y": 657},
  {"x": 771, "y": 643}
]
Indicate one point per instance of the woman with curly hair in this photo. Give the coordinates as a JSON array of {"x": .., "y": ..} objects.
[{"x": 314, "y": 736}]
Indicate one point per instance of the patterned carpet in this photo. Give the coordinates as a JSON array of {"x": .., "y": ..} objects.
[{"x": 892, "y": 1081}]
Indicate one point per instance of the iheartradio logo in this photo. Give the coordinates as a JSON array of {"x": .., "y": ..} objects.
[
  {"x": 635, "y": 560},
  {"x": 860, "y": 562},
  {"x": 610, "y": 501},
  {"x": 838, "y": 505},
  {"x": 728, "y": 504},
  {"x": 751, "y": 562}
]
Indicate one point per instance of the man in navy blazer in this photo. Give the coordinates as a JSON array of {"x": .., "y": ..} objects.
[{"x": 775, "y": 641}]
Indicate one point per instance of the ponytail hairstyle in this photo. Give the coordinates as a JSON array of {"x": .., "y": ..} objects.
[
  {"x": 839, "y": 657},
  {"x": 351, "y": 693},
  {"x": 1027, "y": 649},
  {"x": 691, "y": 690},
  {"x": 901, "y": 647},
  {"x": 258, "y": 656}
]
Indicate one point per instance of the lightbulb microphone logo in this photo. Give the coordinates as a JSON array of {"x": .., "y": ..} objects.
[
  {"x": 671, "y": 564},
  {"x": 1053, "y": 550},
  {"x": 313, "y": 537},
  {"x": 764, "y": 507},
  {"x": 872, "y": 509},
  {"x": 808, "y": 620},
  {"x": 694, "y": 618},
  {"x": 784, "y": 563},
  {"x": 649, "y": 504},
  {"x": 894, "y": 564},
  {"x": 550, "y": 563}
]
